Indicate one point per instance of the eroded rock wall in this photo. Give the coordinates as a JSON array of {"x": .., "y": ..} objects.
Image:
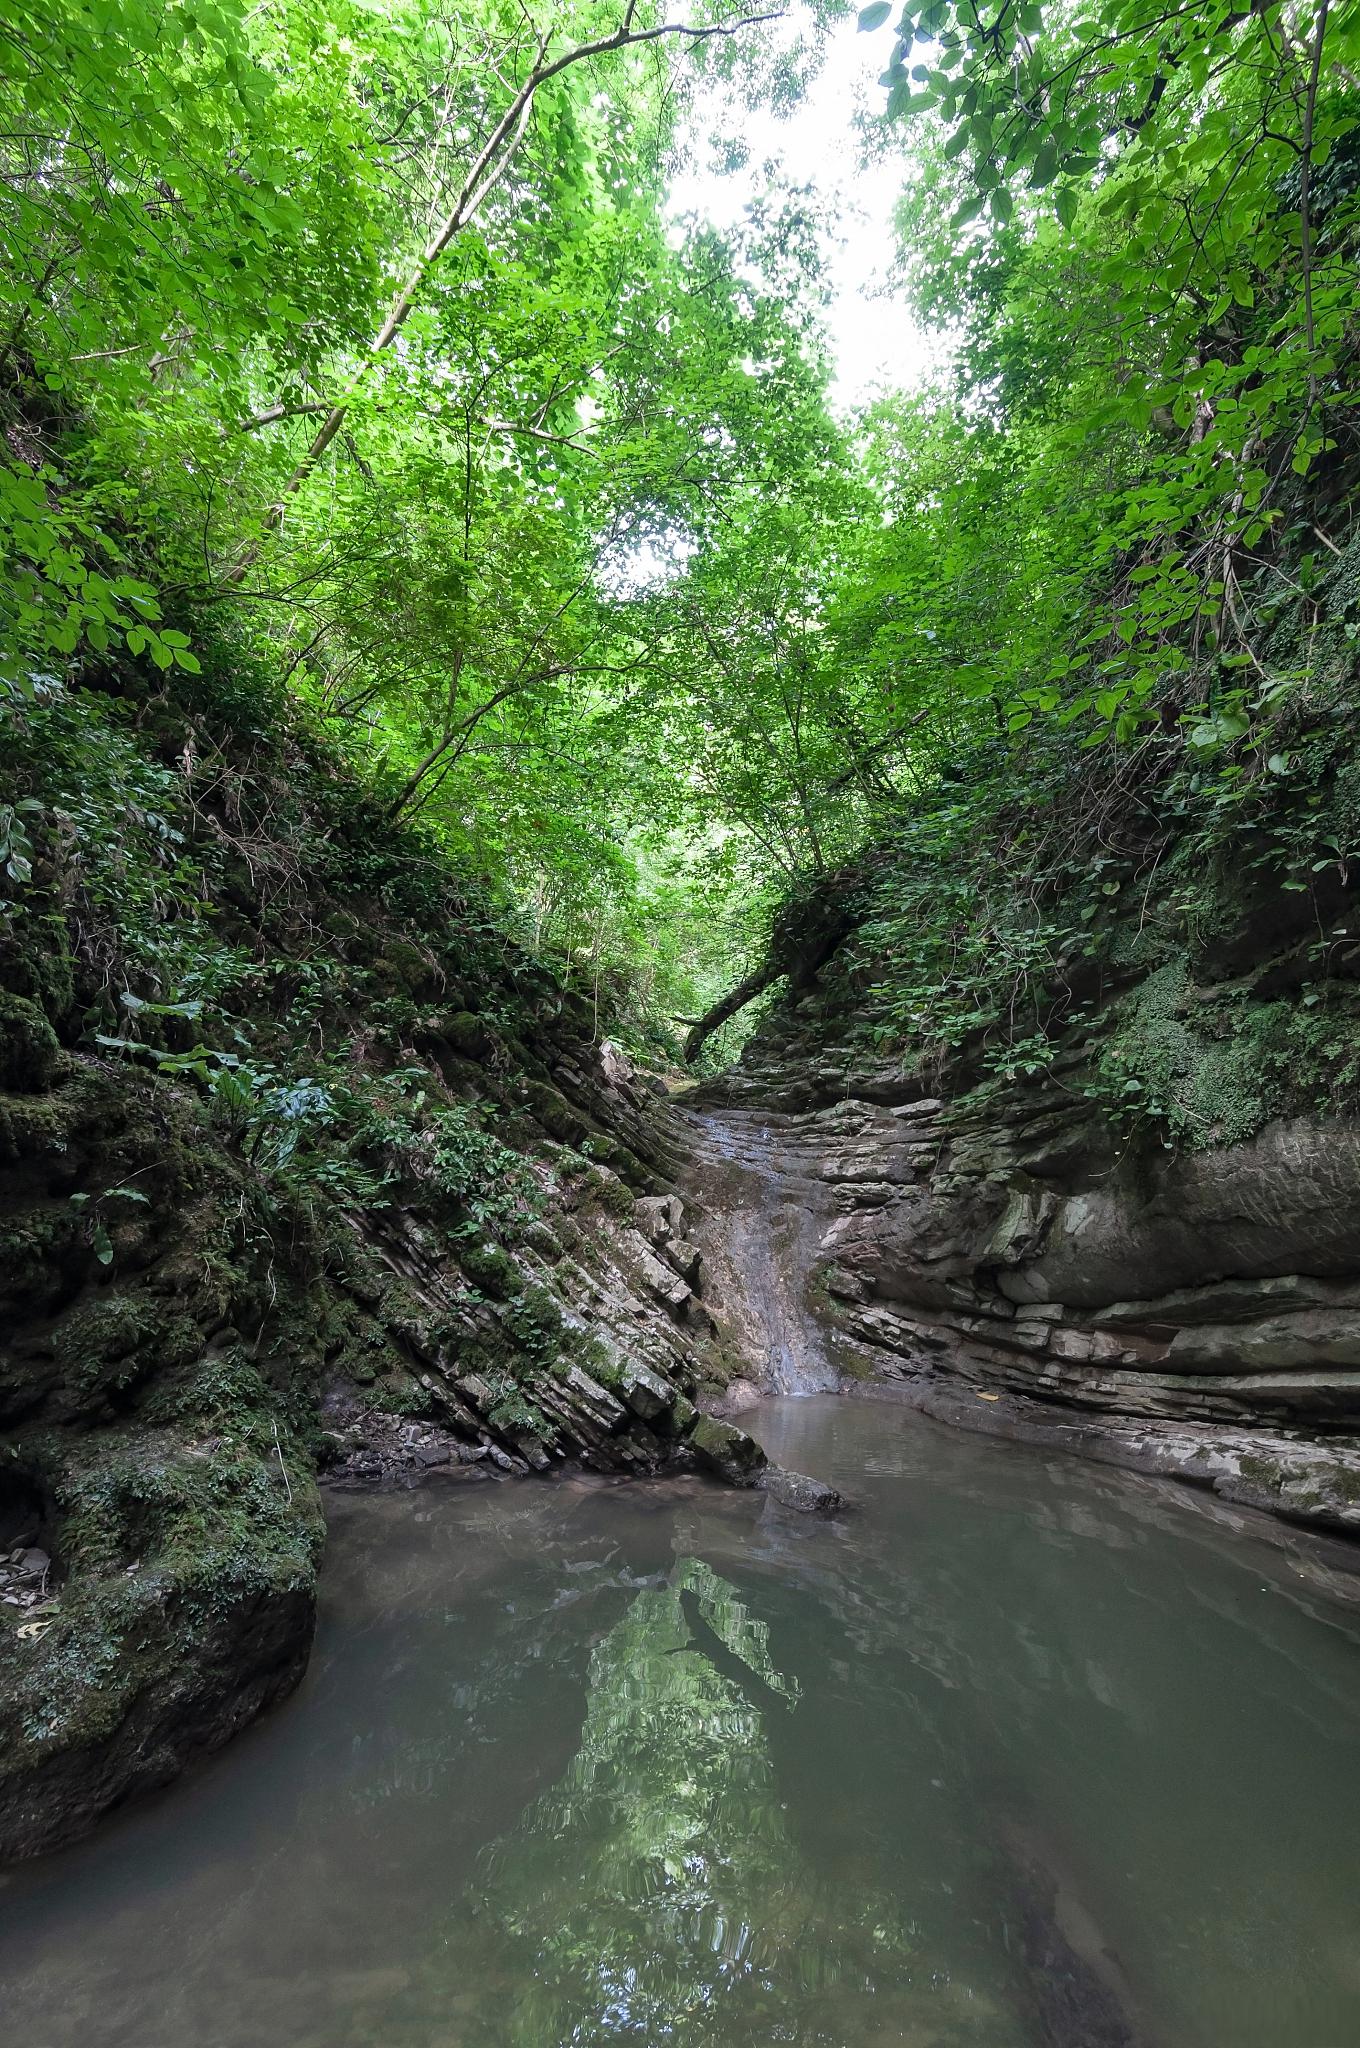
[
  {"x": 1015, "y": 1265},
  {"x": 385, "y": 1210}
]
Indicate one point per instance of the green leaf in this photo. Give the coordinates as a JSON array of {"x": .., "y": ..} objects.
[
  {"x": 874, "y": 16},
  {"x": 1045, "y": 168}
]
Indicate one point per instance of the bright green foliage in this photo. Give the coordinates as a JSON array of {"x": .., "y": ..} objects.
[
  {"x": 1147, "y": 227},
  {"x": 355, "y": 337},
  {"x": 362, "y": 326}
]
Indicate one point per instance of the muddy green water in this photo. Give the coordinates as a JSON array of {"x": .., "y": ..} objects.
[{"x": 1019, "y": 1753}]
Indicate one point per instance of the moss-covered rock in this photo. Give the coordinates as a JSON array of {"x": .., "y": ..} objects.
[
  {"x": 466, "y": 1033},
  {"x": 553, "y": 1113},
  {"x": 490, "y": 1270},
  {"x": 727, "y": 1451},
  {"x": 29, "y": 1050}
]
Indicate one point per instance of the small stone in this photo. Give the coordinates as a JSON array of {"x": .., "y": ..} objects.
[
  {"x": 433, "y": 1454},
  {"x": 686, "y": 1259}
]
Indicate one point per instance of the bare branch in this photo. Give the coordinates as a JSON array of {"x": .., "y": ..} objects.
[{"x": 279, "y": 412}]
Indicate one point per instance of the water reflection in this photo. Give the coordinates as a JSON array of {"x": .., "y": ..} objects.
[
  {"x": 632, "y": 1884},
  {"x": 1017, "y": 1754},
  {"x": 655, "y": 1893}
]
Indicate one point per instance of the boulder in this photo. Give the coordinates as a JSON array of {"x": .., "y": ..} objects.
[
  {"x": 663, "y": 1281},
  {"x": 727, "y": 1451},
  {"x": 645, "y": 1392},
  {"x": 797, "y": 1490},
  {"x": 659, "y": 1217},
  {"x": 686, "y": 1259}
]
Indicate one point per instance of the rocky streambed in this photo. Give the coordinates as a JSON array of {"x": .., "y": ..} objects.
[{"x": 793, "y": 1228}]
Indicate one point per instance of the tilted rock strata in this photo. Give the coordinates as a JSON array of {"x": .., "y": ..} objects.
[{"x": 170, "y": 1380}]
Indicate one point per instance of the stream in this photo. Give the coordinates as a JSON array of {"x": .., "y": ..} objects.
[{"x": 1016, "y": 1753}]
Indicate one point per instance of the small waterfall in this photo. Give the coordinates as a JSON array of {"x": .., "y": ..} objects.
[{"x": 765, "y": 1212}]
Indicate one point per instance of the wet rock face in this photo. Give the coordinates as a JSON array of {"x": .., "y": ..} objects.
[
  {"x": 1213, "y": 1287},
  {"x": 760, "y": 1208},
  {"x": 1011, "y": 1268}
]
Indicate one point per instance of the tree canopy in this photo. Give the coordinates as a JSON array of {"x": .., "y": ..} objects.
[{"x": 354, "y": 342}]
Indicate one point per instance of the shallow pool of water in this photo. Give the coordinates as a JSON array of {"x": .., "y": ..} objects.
[{"x": 1016, "y": 1754}]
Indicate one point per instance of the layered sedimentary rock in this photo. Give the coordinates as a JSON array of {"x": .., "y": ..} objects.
[{"x": 1010, "y": 1264}]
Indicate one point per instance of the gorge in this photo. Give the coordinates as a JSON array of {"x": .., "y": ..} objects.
[{"x": 679, "y": 1030}]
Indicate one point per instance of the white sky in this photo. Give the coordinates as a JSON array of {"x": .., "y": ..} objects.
[{"x": 875, "y": 343}]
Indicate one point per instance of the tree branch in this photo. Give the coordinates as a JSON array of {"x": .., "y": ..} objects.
[
  {"x": 280, "y": 412},
  {"x": 1305, "y": 196}
]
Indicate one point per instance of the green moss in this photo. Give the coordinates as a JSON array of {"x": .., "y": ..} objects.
[
  {"x": 1212, "y": 1064},
  {"x": 50, "y": 1122},
  {"x": 399, "y": 1393},
  {"x": 851, "y": 1364},
  {"x": 117, "y": 1337},
  {"x": 30, "y": 1054},
  {"x": 466, "y": 1033},
  {"x": 613, "y": 1153},
  {"x": 553, "y": 1113},
  {"x": 514, "y": 1415},
  {"x": 35, "y": 1240},
  {"x": 726, "y": 1450},
  {"x": 404, "y": 965},
  {"x": 490, "y": 1270},
  {"x": 610, "y": 1192}
]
